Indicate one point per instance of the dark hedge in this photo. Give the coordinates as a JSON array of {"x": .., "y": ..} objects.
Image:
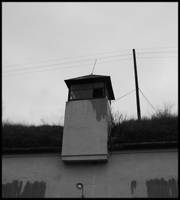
[{"x": 46, "y": 136}]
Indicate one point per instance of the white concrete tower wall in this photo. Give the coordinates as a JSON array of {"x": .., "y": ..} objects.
[{"x": 86, "y": 130}]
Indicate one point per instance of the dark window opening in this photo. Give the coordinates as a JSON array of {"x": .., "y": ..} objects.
[
  {"x": 86, "y": 91},
  {"x": 98, "y": 93}
]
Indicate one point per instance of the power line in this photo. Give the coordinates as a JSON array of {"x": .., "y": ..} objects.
[
  {"x": 114, "y": 60},
  {"x": 165, "y": 47},
  {"x": 147, "y": 100},
  {"x": 154, "y": 52},
  {"x": 77, "y": 61},
  {"x": 66, "y": 58},
  {"x": 155, "y": 57},
  {"x": 82, "y": 56},
  {"x": 43, "y": 70},
  {"x": 49, "y": 66},
  {"x": 35, "y": 66},
  {"x": 57, "y": 68},
  {"x": 65, "y": 63},
  {"x": 124, "y": 95},
  {"x": 69, "y": 62}
]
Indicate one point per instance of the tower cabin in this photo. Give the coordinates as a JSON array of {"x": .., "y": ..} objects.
[{"x": 87, "y": 118}]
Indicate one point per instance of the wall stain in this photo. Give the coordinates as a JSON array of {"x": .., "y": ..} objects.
[
  {"x": 133, "y": 186},
  {"x": 31, "y": 190},
  {"x": 100, "y": 109},
  {"x": 173, "y": 186},
  {"x": 162, "y": 188}
]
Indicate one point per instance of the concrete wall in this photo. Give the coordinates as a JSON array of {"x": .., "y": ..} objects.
[
  {"x": 86, "y": 129},
  {"x": 150, "y": 173}
]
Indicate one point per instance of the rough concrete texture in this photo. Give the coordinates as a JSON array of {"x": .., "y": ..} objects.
[
  {"x": 130, "y": 173},
  {"x": 86, "y": 129}
]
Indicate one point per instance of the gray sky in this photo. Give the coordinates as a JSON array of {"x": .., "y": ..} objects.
[{"x": 46, "y": 43}]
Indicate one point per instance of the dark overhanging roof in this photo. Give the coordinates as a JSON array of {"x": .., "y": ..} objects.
[{"x": 92, "y": 78}]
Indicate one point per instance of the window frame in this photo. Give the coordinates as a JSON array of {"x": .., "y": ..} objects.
[{"x": 103, "y": 87}]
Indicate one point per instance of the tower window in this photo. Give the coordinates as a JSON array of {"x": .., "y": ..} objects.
[
  {"x": 86, "y": 91},
  {"x": 98, "y": 93}
]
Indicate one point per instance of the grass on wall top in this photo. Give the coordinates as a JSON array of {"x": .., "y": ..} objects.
[{"x": 162, "y": 126}]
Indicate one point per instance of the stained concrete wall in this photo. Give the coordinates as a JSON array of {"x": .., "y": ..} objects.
[
  {"x": 86, "y": 129},
  {"x": 150, "y": 173}
]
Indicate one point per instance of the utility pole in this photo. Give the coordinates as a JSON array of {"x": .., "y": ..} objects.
[{"x": 137, "y": 88}]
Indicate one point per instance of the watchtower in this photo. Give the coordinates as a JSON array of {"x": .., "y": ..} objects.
[{"x": 87, "y": 118}]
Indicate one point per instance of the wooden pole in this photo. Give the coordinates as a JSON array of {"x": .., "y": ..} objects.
[{"x": 136, "y": 85}]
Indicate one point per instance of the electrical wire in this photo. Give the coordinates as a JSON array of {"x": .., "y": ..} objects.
[
  {"x": 75, "y": 61},
  {"x": 42, "y": 69},
  {"x": 65, "y": 63},
  {"x": 155, "y": 57},
  {"x": 55, "y": 69},
  {"x": 58, "y": 68},
  {"x": 66, "y": 58},
  {"x": 82, "y": 56},
  {"x": 156, "y": 52},
  {"x": 124, "y": 95},
  {"x": 48, "y": 67},
  {"x": 165, "y": 47},
  {"x": 35, "y": 66},
  {"x": 82, "y": 60},
  {"x": 147, "y": 100},
  {"x": 78, "y": 61}
]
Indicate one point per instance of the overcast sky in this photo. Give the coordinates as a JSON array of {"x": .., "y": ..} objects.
[{"x": 46, "y": 43}]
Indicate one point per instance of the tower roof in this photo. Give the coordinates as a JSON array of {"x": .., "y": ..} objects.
[{"x": 92, "y": 78}]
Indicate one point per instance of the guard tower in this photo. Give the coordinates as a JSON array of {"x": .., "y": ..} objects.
[{"x": 87, "y": 118}]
